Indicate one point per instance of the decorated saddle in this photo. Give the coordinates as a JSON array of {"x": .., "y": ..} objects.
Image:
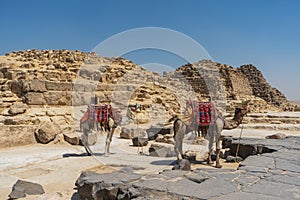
[
  {"x": 101, "y": 113},
  {"x": 205, "y": 113}
]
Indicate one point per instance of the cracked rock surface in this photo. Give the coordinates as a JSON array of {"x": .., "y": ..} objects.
[{"x": 273, "y": 175}]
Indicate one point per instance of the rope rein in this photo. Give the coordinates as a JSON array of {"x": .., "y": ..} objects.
[{"x": 238, "y": 147}]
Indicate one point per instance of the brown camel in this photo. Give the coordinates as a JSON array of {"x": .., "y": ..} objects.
[{"x": 213, "y": 131}]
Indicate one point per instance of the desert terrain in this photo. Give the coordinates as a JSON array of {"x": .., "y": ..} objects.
[{"x": 44, "y": 94}]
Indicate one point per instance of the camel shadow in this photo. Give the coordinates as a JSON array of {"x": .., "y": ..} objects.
[
  {"x": 67, "y": 155},
  {"x": 164, "y": 162},
  {"x": 175, "y": 162}
]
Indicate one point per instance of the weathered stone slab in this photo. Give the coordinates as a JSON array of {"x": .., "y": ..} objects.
[
  {"x": 203, "y": 190},
  {"x": 152, "y": 184},
  {"x": 104, "y": 186},
  {"x": 259, "y": 161},
  {"x": 21, "y": 188},
  {"x": 246, "y": 179},
  {"x": 287, "y": 179},
  {"x": 287, "y": 165},
  {"x": 246, "y": 196},
  {"x": 274, "y": 189}
]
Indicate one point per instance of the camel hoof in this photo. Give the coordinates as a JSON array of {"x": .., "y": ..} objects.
[{"x": 218, "y": 166}]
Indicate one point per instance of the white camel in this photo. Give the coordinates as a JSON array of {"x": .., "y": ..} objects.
[{"x": 213, "y": 131}]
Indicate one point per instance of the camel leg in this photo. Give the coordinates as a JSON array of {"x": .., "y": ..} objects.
[
  {"x": 108, "y": 141},
  {"x": 179, "y": 130},
  {"x": 84, "y": 140},
  {"x": 109, "y": 137},
  {"x": 199, "y": 130},
  {"x": 211, "y": 137},
  {"x": 178, "y": 148},
  {"x": 88, "y": 150},
  {"x": 219, "y": 129},
  {"x": 218, "y": 147}
]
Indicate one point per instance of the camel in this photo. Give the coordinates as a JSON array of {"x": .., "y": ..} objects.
[
  {"x": 108, "y": 126},
  {"x": 213, "y": 131}
]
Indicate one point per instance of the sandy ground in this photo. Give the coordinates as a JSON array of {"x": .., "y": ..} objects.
[{"x": 57, "y": 166}]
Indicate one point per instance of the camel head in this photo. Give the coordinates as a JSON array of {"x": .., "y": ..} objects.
[{"x": 241, "y": 111}]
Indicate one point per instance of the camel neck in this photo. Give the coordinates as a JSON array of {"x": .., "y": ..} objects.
[{"x": 238, "y": 118}]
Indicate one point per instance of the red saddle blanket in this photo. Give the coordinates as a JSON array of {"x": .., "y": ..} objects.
[
  {"x": 205, "y": 113},
  {"x": 100, "y": 113}
]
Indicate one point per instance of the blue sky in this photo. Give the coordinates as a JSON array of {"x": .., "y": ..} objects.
[{"x": 235, "y": 32}]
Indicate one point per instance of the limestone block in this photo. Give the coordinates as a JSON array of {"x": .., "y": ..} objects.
[
  {"x": 59, "y": 86},
  {"x": 33, "y": 86},
  {"x": 58, "y": 98},
  {"x": 18, "y": 120},
  {"x": 17, "y": 108},
  {"x": 72, "y": 138},
  {"x": 34, "y": 98},
  {"x": 47, "y": 131},
  {"x": 16, "y": 135}
]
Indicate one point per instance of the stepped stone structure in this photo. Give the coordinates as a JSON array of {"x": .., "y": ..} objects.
[
  {"x": 261, "y": 88},
  {"x": 55, "y": 86},
  {"x": 233, "y": 85}
]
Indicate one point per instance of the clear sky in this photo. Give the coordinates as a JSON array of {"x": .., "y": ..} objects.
[{"x": 235, "y": 32}]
